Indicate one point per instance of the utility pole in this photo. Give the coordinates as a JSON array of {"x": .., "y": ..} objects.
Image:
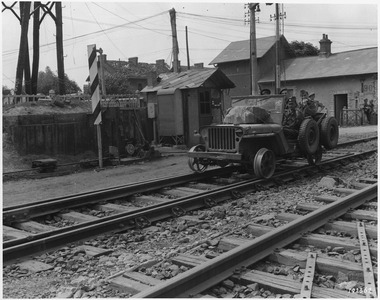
[
  {"x": 187, "y": 50},
  {"x": 278, "y": 70},
  {"x": 174, "y": 40},
  {"x": 59, "y": 43},
  {"x": 101, "y": 63},
  {"x": 253, "y": 7},
  {"x": 23, "y": 64},
  {"x": 278, "y": 16},
  {"x": 28, "y": 83},
  {"x": 24, "y": 20},
  {"x": 36, "y": 46}
]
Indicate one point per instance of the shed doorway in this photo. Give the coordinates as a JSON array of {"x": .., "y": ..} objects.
[
  {"x": 205, "y": 112},
  {"x": 340, "y": 101}
]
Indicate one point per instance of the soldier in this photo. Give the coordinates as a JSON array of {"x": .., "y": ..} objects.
[
  {"x": 307, "y": 105},
  {"x": 367, "y": 110},
  {"x": 293, "y": 118}
]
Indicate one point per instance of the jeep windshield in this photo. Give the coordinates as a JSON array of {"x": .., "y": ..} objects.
[{"x": 255, "y": 110}]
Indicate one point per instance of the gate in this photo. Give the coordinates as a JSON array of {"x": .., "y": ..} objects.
[{"x": 352, "y": 117}]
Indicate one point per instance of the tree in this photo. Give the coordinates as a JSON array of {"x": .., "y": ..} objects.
[
  {"x": 117, "y": 84},
  {"x": 303, "y": 49},
  {"x": 6, "y": 90},
  {"x": 49, "y": 81}
]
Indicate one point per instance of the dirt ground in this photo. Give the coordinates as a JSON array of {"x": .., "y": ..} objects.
[{"x": 173, "y": 161}]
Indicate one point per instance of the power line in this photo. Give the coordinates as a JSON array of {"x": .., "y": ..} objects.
[
  {"x": 126, "y": 19},
  {"x": 116, "y": 27},
  {"x": 104, "y": 32}
]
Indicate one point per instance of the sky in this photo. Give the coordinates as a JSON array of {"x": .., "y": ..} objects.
[{"x": 142, "y": 29}]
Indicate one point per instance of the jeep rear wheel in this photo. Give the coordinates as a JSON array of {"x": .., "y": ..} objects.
[
  {"x": 196, "y": 164},
  {"x": 308, "y": 137},
  {"x": 329, "y": 133},
  {"x": 264, "y": 163}
]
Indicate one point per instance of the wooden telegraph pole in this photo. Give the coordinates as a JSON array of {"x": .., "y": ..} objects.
[
  {"x": 36, "y": 46},
  {"x": 278, "y": 70},
  {"x": 176, "y": 67},
  {"x": 187, "y": 49},
  {"x": 59, "y": 43},
  {"x": 253, "y": 51},
  {"x": 23, "y": 51},
  {"x": 23, "y": 64}
]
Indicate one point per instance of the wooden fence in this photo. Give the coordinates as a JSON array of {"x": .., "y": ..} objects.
[
  {"x": 50, "y": 134},
  {"x": 124, "y": 119},
  {"x": 132, "y": 101}
]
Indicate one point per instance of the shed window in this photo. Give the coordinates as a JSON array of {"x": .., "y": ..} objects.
[{"x": 205, "y": 102}]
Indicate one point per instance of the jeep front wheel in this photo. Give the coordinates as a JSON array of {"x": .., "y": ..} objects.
[
  {"x": 196, "y": 164},
  {"x": 308, "y": 136},
  {"x": 264, "y": 163}
]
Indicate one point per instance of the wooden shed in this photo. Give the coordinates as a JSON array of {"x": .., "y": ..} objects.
[{"x": 182, "y": 102}]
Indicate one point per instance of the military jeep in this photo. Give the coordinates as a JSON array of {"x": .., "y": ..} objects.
[{"x": 253, "y": 134}]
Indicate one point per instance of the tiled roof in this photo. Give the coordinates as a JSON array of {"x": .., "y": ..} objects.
[
  {"x": 240, "y": 50},
  {"x": 356, "y": 62},
  {"x": 141, "y": 69},
  {"x": 191, "y": 79}
]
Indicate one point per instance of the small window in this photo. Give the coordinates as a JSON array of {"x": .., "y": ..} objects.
[
  {"x": 205, "y": 103},
  {"x": 139, "y": 87}
]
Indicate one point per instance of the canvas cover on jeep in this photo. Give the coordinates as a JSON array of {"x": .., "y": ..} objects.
[{"x": 247, "y": 115}]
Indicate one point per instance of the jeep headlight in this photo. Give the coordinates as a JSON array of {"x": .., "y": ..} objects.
[
  {"x": 239, "y": 132},
  {"x": 204, "y": 133}
]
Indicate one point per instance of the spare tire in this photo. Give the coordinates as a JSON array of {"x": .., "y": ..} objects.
[
  {"x": 308, "y": 136},
  {"x": 329, "y": 133}
]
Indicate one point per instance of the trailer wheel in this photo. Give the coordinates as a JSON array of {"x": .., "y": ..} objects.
[
  {"x": 196, "y": 164},
  {"x": 308, "y": 137},
  {"x": 329, "y": 133},
  {"x": 264, "y": 163},
  {"x": 131, "y": 149}
]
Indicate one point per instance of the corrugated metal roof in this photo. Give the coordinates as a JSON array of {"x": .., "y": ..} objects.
[
  {"x": 191, "y": 79},
  {"x": 356, "y": 62},
  {"x": 240, "y": 50}
]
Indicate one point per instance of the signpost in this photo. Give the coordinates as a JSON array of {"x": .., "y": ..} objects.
[{"x": 95, "y": 97}]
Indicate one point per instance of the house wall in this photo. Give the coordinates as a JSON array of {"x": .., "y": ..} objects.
[
  {"x": 356, "y": 87},
  {"x": 239, "y": 73}
]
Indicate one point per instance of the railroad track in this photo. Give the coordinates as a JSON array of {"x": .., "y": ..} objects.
[
  {"x": 312, "y": 261},
  {"x": 24, "y": 236},
  {"x": 64, "y": 169}
]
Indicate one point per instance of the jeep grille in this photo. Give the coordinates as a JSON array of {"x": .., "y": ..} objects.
[{"x": 222, "y": 139}]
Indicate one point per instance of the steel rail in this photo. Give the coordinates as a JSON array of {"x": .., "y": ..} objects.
[
  {"x": 50, "y": 200},
  {"x": 204, "y": 276},
  {"x": 178, "y": 176},
  {"x": 120, "y": 222},
  {"x": 25, "y": 212},
  {"x": 357, "y": 141}
]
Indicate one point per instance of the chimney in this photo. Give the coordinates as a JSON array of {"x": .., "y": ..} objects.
[
  {"x": 325, "y": 46},
  {"x": 160, "y": 63},
  {"x": 152, "y": 78},
  {"x": 198, "y": 65},
  {"x": 133, "y": 60}
]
